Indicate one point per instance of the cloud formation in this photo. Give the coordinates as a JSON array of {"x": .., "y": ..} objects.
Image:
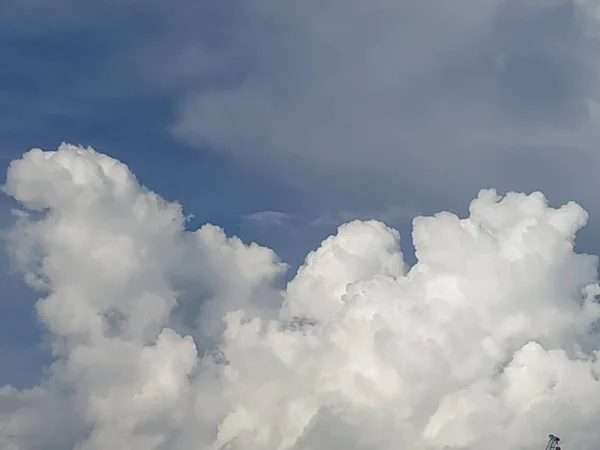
[
  {"x": 165, "y": 338},
  {"x": 366, "y": 104},
  {"x": 267, "y": 218},
  {"x": 404, "y": 94},
  {"x": 390, "y": 215}
]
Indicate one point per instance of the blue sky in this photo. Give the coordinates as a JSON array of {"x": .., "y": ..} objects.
[{"x": 324, "y": 111}]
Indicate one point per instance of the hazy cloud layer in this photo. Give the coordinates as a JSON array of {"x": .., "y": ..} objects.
[
  {"x": 172, "y": 339},
  {"x": 266, "y": 218},
  {"x": 442, "y": 98},
  {"x": 392, "y": 214},
  {"x": 425, "y": 95}
]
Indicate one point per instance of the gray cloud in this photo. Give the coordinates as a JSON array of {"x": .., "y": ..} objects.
[
  {"x": 432, "y": 98},
  {"x": 390, "y": 215},
  {"x": 429, "y": 95}
]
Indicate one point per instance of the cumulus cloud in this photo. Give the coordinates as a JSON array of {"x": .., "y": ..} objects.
[{"x": 165, "y": 338}]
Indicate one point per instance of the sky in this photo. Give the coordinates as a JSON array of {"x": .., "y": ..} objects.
[{"x": 299, "y": 225}]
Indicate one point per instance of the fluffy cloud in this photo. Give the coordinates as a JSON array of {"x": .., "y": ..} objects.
[{"x": 166, "y": 338}]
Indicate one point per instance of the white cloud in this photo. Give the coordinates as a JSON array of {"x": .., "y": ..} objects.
[{"x": 489, "y": 341}]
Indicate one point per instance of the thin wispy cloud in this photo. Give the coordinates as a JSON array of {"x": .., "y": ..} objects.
[{"x": 267, "y": 218}]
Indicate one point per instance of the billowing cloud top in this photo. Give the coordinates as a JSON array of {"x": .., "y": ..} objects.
[{"x": 165, "y": 338}]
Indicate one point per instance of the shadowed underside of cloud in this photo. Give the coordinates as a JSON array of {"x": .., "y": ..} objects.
[{"x": 171, "y": 339}]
